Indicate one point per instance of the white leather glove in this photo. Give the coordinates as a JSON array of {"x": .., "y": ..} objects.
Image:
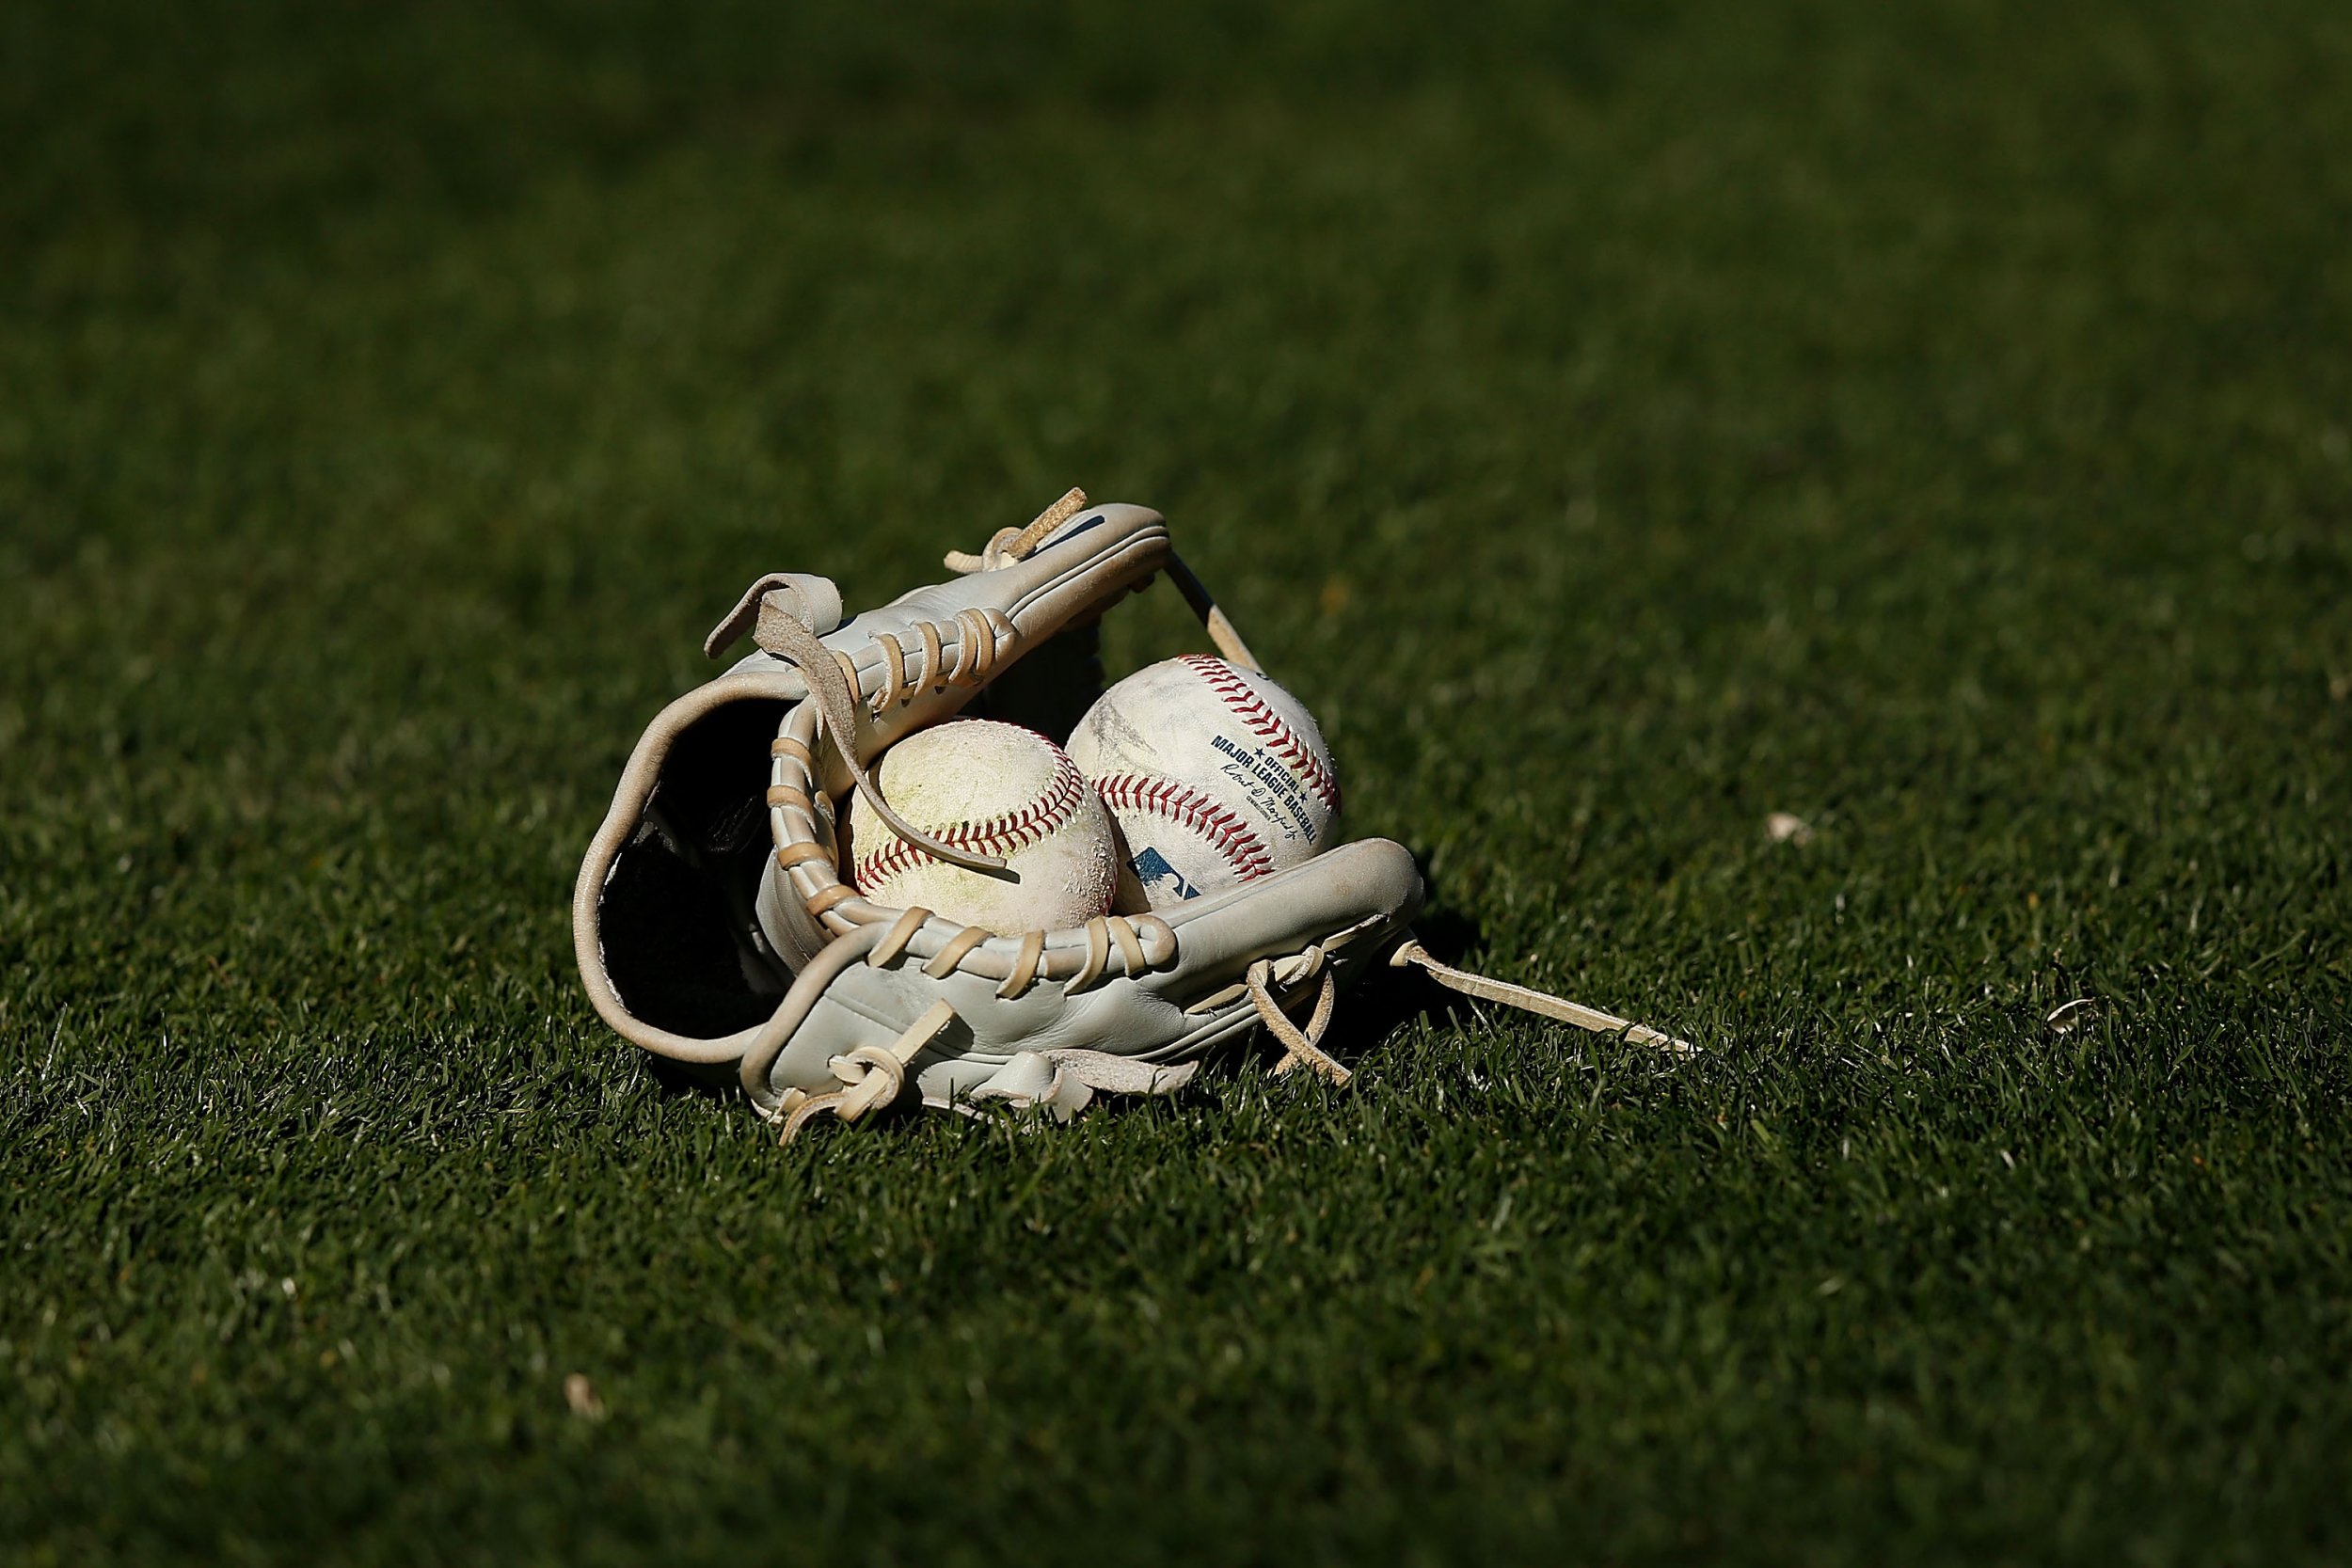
[{"x": 713, "y": 928}]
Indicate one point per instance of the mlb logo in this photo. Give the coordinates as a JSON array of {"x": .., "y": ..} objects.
[{"x": 1153, "y": 870}]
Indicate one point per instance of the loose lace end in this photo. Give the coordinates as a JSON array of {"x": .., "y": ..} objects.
[
  {"x": 1015, "y": 544},
  {"x": 1411, "y": 952},
  {"x": 1220, "y": 629}
]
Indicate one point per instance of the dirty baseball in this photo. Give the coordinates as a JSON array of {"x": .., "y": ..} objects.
[
  {"x": 998, "y": 790},
  {"x": 1214, "y": 775}
]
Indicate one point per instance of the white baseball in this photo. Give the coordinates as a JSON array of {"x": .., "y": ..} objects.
[
  {"x": 1216, "y": 776},
  {"x": 995, "y": 789}
]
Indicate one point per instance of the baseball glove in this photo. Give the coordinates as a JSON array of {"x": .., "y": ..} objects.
[{"x": 713, "y": 928}]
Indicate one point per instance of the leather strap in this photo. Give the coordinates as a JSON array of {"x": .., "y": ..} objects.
[{"x": 1411, "y": 952}]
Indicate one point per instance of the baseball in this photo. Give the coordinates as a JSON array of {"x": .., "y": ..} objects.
[
  {"x": 1216, "y": 776},
  {"x": 995, "y": 789}
]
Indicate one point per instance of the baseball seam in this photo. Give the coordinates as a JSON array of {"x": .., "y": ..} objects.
[
  {"x": 1000, "y": 835},
  {"x": 1227, "y": 832},
  {"x": 1268, "y": 725}
]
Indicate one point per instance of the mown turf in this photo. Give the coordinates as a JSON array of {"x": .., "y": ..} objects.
[{"x": 1619, "y": 423}]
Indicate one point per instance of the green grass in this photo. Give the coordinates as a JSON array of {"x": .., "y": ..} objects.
[{"x": 1619, "y": 424}]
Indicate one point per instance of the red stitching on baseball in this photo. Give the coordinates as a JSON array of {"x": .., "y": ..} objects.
[
  {"x": 998, "y": 836},
  {"x": 1232, "y": 836},
  {"x": 1252, "y": 710}
]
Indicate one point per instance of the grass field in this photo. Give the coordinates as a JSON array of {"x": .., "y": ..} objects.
[{"x": 1620, "y": 423}]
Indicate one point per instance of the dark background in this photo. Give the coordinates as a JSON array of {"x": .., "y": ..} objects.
[{"x": 1619, "y": 423}]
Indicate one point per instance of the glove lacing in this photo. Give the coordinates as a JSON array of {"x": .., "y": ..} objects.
[
  {"x": 830, "y": 687},
  {"x": 871, "y": 1076},
  {"x": 1300, "y": 1047},
  {"x": 786, "y": 628},
  {"x": 1010, "y": 544},
  {"x": 1015, "y": 544}
]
